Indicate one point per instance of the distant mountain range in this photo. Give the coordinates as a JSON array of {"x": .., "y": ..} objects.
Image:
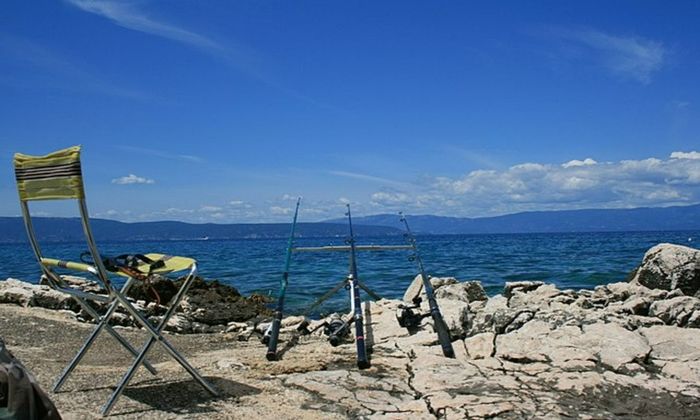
[
  {"x": 600, "y": 220},
  {"x": 57, "y": 229}
]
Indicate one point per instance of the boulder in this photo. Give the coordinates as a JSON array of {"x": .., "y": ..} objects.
[
  {"x": 494, "y": 316},
  {"x": 673, "y": 344},
  {"x": 540, "y": 296},
  {"x": 669, "y": 267},
  {"x": 213, "y": 303},
  {"x": 27, "y": 294},
  {"x": 456, "y": 315},
  {"x": 683, "y": 311},
  {"x": 521, "y": 286},
  {"x": 16, "y": 292},
  {"x": 177, "y": 323},
  {"x": 415, "y": 289},
  {"x": 80, "y": 283},
  {"x": 614, "y": 345},
  {"x": 468, "y": 291}
]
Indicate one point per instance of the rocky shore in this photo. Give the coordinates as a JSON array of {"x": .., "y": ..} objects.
[
  {"x": 628, "y": 349},
  {"x": 208, "y": 307}
]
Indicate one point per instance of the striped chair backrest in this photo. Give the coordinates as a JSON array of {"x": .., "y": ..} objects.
[{"x": 55, "y": 176}]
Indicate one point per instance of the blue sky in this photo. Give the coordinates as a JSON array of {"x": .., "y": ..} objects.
[{"x": 225, "y": 111}]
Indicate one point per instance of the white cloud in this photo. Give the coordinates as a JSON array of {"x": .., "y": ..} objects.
[
  {"x": 132, "y": 179},
  {"x": 126, "y": 15},
  {"x": 390, "y": 198},
  {"x": 343, "y": 200},
  {"x": 240, "y": 204},
  {"x": 210, "y": 209},
  {"x": 177, "y": 211},
  {"x": 278, "y": 211},
  {"x": 684, "y": 155},
  {"x": 574, "y": 184},
  {"x": 575, "y": 162},
  {"x": 627, "y": 56}
]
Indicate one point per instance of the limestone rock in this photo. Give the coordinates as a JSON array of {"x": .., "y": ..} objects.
[
  {"x": 178, "y": 323},
  {"x": 480, "y": 346},
  {"x": 520, "y": 286},
  {"x": 80, "y": 283},
  {"x": 236, "y": 327},
  {"x": 669, "y": 267},
  {"x": 27, "y": 294},
  {"x": 518, "y": 321},
  {"x": 456, "y": 316},
  {"x": 10, "y": 292},
  {"x": 681, "y": 311},
  {"x": 415, "y": 289},
  {"x": 673, "y": 344},
  {"x": 614, "y": 345},
  {"x": 539, "y": 297},
  {"x": 488, "y": 315},
  {"x": 468, "y": 291},
  {"x": 610, "y": 344}
]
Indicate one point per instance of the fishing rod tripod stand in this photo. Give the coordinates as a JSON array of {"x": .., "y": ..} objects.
[{"x": 338, "y": 328}]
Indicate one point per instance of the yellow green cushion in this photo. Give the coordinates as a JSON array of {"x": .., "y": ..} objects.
[{"x": 172, "y": 264}]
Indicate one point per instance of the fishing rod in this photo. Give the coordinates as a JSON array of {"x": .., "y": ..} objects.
[
  {"x": 407, "y": 318},
  {"x": 272, "y": 333},
  {"x": 355, "y": 302}
]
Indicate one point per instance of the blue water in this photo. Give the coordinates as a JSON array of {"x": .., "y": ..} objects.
[{"x": 570, "y": 260}]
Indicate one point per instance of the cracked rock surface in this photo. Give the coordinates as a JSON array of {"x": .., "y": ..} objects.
[{"x": 541, "y": 353}]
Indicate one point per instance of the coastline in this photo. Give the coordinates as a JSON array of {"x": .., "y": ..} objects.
[{"x": 619, "y": 350}]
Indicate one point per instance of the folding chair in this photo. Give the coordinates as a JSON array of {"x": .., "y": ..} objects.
[{"x": 58, "y": 176}]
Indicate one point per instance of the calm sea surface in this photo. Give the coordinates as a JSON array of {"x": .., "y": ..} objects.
[{"x": 570, "y": 260}]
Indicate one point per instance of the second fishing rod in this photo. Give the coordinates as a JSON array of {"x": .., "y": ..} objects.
[
  {"x": 271, "y": 336},
  {"x": 355, "y": 305},
  {"x": 407, "y": 318},
  {"x": 362, "y": 360}
]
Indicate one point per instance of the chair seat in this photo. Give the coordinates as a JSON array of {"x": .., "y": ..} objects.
[{"x": 172, "y": 264}]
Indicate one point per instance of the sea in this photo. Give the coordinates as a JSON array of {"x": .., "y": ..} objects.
[{"x": 569, "y": 260}]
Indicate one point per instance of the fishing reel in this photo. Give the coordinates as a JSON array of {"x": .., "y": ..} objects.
[
  {"x": 408, "y": 317},
  {"x": 303, "y": 327},
  {"x": 336, "y": 329}
]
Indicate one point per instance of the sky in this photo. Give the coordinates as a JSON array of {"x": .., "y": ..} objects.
[{"x": 226, "y": 111}]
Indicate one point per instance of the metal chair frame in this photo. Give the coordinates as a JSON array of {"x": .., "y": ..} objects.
[{"x": 113, "y": 298}]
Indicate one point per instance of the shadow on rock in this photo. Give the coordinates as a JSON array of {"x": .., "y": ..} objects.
[{"x": 186, "y": 396}]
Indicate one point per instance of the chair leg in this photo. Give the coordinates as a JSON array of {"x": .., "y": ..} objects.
[
  {"x": 156, "y": 336},
  {"x": 102, "y": 324}
]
